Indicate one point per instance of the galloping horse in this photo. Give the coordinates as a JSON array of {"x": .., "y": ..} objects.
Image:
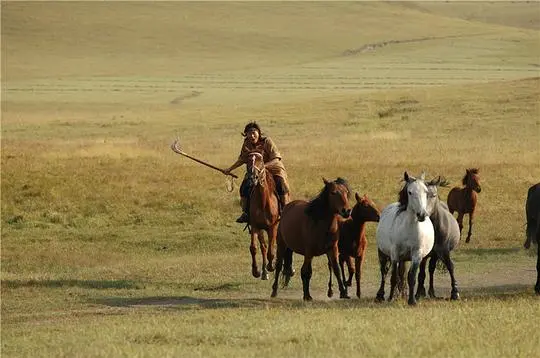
[
  {"x": 405, "y": 233},
  {"x": 353, "y": 241},
  {"x": 463, "y": 200},
  {"x": 263, "y": 213},
  {"x": 447, "y": 237},
  {"x": 311, "y": 229},
  {"x": 532, "y": 210}
]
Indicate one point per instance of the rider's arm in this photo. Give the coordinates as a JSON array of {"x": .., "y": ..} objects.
[{"x": 236, "y": 164}]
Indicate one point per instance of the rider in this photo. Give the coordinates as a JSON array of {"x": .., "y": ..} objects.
[{"x": 254, "y": 141}]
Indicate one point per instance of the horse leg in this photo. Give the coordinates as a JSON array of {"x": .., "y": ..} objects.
[
  {"x": 264, "y": 252},
  {"x": 306, "y": 273},
  {"x": 358, "y": 263},
  {"x": 421, "y": 290},
  {"x": 332, "y": 255},
  {"x": 330, "y": 292},
  {"x": 272, "y": 234},
  {"x": 432, "y": 267},
  {"x": 253, "y": 249},
  {"x": 288, "y": 262},
  {"x": 445, "y": 257},
  {"x": 537, "y": 286},
  {"x": 402, "y": 284},
  {"x": 383, "y": 265},
  {"x": 412, "y": 281},
  {"x": 460, "y": 221},
  {"x": 351, "y": 271},
  {"x": 393, "y": 280},
  {"x": 280, "y": 253},
  {"x": 471, "y": 216}
]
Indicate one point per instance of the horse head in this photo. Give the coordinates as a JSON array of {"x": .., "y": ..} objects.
[
  {"x": 416, "y": 196},
  {"x": 433, "y": 192},
  {"x": 365, "y": 209},
  {"x": 338, "y": 192},
  {"x": 255, "y": 169},
  {"x": 472, "y": 180}
]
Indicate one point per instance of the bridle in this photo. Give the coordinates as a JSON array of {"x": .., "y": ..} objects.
[{"x": 257, "y": 175}]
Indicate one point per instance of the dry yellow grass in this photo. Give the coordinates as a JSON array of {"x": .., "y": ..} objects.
[{"x": 112, "y": 245}]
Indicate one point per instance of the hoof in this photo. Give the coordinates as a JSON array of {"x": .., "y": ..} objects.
[
  {"x": 344, "y": 295},
  {"x": 270, "y": 267},
  {"x": 274, "y": 294},
  {"x": 420, "y": 293},
  {"x": 358, "y": 294},
  {"x": 454, "y": 296},
  {"x": 256, "y": 273},
  {"x": 308, "y": 298},
  {"x": 412, "y": 302},
  {"x": 468, "y": 240},
  {"x": 330, "y": 293},
  {"x": 264, "y": 276}
]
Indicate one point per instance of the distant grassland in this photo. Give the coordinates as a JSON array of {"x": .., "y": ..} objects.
[{"x": 112, "y": 245}]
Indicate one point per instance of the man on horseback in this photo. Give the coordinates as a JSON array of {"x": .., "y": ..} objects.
[{"x": 255, "y": 142}]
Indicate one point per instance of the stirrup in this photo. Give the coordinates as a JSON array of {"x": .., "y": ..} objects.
[{"x": 242, "y": 218}]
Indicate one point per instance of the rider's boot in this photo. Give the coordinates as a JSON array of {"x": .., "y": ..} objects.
[{"x": 244, "y": 218}]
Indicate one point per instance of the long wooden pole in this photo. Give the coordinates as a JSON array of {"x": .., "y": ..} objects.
[{"x": 177, "y": 150}]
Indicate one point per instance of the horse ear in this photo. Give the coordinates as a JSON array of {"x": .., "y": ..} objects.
[
  {"x": 435, "y": 182},
  {"x": 423, "y": 175},
  {"x": 326, "y": 182},
  {"x": 408, "y": 178},
  {"x": 357, "y": 197}
]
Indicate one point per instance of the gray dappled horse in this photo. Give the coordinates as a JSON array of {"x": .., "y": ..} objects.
[{"x": 447, "y": 237}]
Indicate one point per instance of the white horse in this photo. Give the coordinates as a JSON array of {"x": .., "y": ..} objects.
[{"x": 405, "y": 233}]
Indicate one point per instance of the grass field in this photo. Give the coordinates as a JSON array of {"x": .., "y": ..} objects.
[{"x": 113, "y": 245}]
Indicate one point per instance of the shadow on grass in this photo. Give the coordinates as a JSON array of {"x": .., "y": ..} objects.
[
  {"x": 491, "y": 251},
  {"x": 91, "y": 284},
  {"x": 502, "y": 292},
  {"x": 190, "y": 302}
]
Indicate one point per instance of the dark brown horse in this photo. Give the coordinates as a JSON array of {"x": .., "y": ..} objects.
[
  {"x": 353, "y": 241},
  {"x": 263, "y": 213},
  {"x": 311, "y": 229},
  {"x": 532, "y": 211},
  {"x": 463, "y": 200}
]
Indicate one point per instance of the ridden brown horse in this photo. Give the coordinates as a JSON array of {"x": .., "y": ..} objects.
[
  {"x": 311, "y": 229},
  {"x": 353, "y": 241},
  {"x": 463, "y": 200},
  {"x": 263, "y": 213}
]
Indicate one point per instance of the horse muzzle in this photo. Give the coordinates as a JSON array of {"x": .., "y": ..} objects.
[
  {"x": 421, "y": 217},
  {"x": 478, "y": 189},
  {"x": 345, "y": 213}
]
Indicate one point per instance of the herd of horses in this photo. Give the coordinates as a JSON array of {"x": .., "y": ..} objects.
[{"x": 417, "y": 228}]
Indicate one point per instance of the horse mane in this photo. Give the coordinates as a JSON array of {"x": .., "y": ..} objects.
[
  {"x": 468, "y": 173},
  {"x": 403, "y": 198},
  {"x": 316, "y": 208}
]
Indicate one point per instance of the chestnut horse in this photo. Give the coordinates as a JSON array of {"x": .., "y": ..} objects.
[
  {"x": 311, "y": 229},
  {"x": 463, "y": 200},
  {"x": 263, "y": 213},
  {"x": 353, "y": 241}
]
